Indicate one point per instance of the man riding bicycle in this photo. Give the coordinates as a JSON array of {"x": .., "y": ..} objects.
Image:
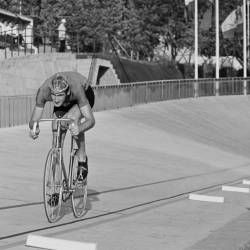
[{"x": 73, "y": 98}]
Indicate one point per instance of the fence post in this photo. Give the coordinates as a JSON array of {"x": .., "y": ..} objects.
[
  {"x": 51, "y": 42},
  {"x": 161, "y": 90},
  {"x": 196, "y": 88},
  {"x": 5, "y": 44},
  {"x": 31, "y": 43},
  {"x": 217, "y": 87},
  {"x": 44, "y": 43},
  {"x": 245, "y": 87},
  {"x": 179, "y": 89},
  {"x": 11, "y": 46},
  {"x": 18, "y": 41},
  {"x": 25, "y": 47},
  {"x": 77, "y": 43}
]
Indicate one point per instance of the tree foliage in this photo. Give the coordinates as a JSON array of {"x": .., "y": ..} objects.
[{"x": 133, "y": 26}]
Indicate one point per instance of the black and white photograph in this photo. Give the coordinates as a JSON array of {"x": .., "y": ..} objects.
[{"x": 125, "y": 124}]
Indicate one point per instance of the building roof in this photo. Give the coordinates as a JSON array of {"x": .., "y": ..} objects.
[{"x": 10, "y": 15}]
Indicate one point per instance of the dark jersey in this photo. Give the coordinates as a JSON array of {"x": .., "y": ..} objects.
[{"x": 77, "y": 84}]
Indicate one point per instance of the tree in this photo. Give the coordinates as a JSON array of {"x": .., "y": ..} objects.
[
  {"x": 137, "y": 26},
  {"x": 5, "y": 4},
  {"x": 177, "y": 30}
]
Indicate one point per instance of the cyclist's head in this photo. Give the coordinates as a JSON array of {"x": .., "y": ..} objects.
[{"x": 59, "y": 85}]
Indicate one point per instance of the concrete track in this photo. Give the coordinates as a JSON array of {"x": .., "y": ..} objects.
[{"x": 144, "y": 161}]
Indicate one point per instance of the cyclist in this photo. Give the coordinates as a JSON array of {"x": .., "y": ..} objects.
[{"x": 73, "y": 98}]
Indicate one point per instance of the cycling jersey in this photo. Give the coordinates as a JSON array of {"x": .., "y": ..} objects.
[{"x": 77, "y": 84}]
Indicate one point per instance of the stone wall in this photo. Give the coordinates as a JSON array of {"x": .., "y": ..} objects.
[{"x": 22, "y": 75}]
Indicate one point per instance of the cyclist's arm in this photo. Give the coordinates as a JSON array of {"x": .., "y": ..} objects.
[
  {"x": 36, "y": 116},
  {"x": 39, "y": 106},
  {"x": 89, "y": 118},
  {"x": 85, "y": 110}
]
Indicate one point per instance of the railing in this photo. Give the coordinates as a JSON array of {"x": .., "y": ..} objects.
[
  {"x": 16, "y": 110},
  {"x": 15, "y": 42}
]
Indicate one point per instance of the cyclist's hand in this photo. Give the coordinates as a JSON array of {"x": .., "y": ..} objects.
[
  {"x": 74, "y": 129},
  {"x": 87, "y": 85},
  {"x": 34, "y": 135}
]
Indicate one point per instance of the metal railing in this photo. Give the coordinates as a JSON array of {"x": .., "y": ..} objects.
[
  {"x": 17, "y": 42},
  {"x": 16, "y": 110}
]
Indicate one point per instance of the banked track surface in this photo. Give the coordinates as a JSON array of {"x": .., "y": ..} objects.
[{"x": 140, "y": 158}]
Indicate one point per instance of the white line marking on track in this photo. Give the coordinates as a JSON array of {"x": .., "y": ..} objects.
[
  {"x": 57, "y": 244},
  {"x": 199, "y": 197},
  {"x": 235, "y": 189}
]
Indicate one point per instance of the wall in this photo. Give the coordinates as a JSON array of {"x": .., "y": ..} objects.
[
  {"x": 109, "y": 77},
  {"x": 17, "y": 110},
  {"x": 24, "y": 74}
]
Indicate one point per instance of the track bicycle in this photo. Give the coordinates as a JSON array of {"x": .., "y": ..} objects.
[{"x": 58, "y": 184}]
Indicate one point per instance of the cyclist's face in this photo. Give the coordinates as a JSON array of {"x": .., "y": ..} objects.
[{"x": 59, "y": 99}]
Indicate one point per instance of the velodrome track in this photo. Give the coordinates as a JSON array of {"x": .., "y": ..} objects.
[{"x": 144, "y": 161}]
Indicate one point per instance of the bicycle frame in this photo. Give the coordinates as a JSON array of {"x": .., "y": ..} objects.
[
  {"x": 59, "y": 147},
  {"x": 69, "y": 185}
]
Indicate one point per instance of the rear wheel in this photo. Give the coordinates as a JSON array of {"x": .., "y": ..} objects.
[
  {"x": 79, "y": 191},
  {"x": 53, "y": 185}
]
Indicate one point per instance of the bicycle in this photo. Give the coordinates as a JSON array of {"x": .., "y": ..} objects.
[{"x": 59, "y": 185}]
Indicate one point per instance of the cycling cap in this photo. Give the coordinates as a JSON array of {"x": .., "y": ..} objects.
[{"x": 58, "y": 84}]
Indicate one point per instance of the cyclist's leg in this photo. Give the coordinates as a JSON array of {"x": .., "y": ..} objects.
[
  {"x": 80, "y": 141},
  {"x": 63, "y": 130},
  {"x": 75, "y": 114}
]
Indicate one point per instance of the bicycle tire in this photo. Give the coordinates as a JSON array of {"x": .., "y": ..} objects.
[
  {"x": 52, "y": 184},
  {"x": 79, "y": 190}
]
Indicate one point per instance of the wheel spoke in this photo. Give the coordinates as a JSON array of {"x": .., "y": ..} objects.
[
  {"x": 79, "y": 194},
  {"x": 52, "y": 186}
]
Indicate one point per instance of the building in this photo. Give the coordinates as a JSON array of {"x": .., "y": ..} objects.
[{"x": 15, "y": 25}]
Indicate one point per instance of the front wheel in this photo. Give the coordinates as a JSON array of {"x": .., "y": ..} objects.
[
  {"x": 79, "y": 191},
  {"x": 53, "y": 185}
]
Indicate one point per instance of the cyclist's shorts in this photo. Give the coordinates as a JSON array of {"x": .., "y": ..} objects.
[
  {"x": 61, "y": 111},
  {"x": 90, "y": 96}
]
